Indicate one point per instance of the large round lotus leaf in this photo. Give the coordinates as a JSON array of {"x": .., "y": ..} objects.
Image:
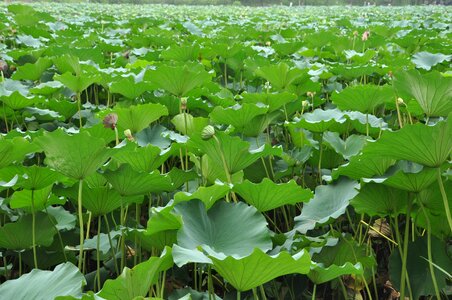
[
  {"x": 64, "y": 280},
  {"x": 188, "y": 125},
  {"x": 77, "y": 83},
  {"x": 268, "y": 195},
  {"x": 136, "y": 282},
  {"x": 418, "y": 266},
  {"x": 32, "y": 71},
  {"x": 178, "y": 80},
  {"x": 363, "y": 98},
  {"x": 163, "y": 219},
  {"x": 129, "y": 182},
  {"x": 427, "y": 145},
  {"x": 238, "y": 116},
  {"x": 329, "y": 202},
  {"x": 129, "y": 88},
  {"x": 432, "y": 91},
  {"x": 139, "y": 117},
  {"x": 426, "y": 60},
  {"x": 236, "y": 152},
  {"x": 40, "y": 199},
  {"x": 363, "y": 166},
  {"x": 221, "y": 228},
  {"x": 380, "y": 200},
  {"x": 259, "y": 268},
  {"x": 35, "y": 177},
  {"x": 280, "y": 76},
  {"x": 100, "y": 200},
  {"x": 76, "y": 156},
  {"x": 17, "y": 235}
]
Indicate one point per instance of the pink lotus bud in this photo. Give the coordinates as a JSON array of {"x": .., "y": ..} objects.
[
  {"x": 365, "y": 36},
  {"x": 110, "y": 121}
]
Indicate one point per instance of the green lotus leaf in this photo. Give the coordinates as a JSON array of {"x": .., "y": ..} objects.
[
  {"x": 427, "y": 145},
  {"x": 17, "y": 235},
  {"x": 153, "y": 135},
  {"x": 128, "y": 182},
  {"x": 47, "y": 88},
  {"x": 408, "y": 176},
  {"x": 180, "y": 177},
  {"x": 68, "y": 63},
  {"x": 432, "y": 91},
  {"x": 280, "y": 76},
  {"x": 380, "y": 200},
  {"x": 189, "y": 125},
  {"x": 76, "y": 156},
  {"x": 348, "y": 148},
  {"x": 42, "y": 198},
  {"x": 100, "y": 200},
  {"x": 329, "y": 202},
  {"x": 268, "y": 195},
  {"x": 221, "y": 229},
  {"x": 258, "y": 268},
  {"x": 64, "y": 219},
  {"x": 129, "y": 88},
  {"x": 239, "y": 116},
  {"x": 236, "y": 152},
  {"x": 154, "y": 241},
  {"x": 17, "y": 101},
  {"x": 142, "y": 159},
  {"x": 32, "y": 71},
  {"x": 14, "y": 150},
  {"x": 426, "y": 60},
  {"x": 365, "y": 123},
  {"x": 163, "y": 219},
  {"x": 320, "y": 120},
  {"x": 418, "y": 267},
  {"x": 181, "y": 53},
  {"x": 274, "y": 101},
  {"x": 137, "y": 281},
  {"x": 64, "y": 280},
  {"x": 363, "y": 166},
  {"x": 138, "y": 117},
  {"x": 363, "y": 98},
  {"x": 345, "y": 257},
  {"x": 77, "y": 83},
  {"x": 179, "y": 80},
  {"x": 208, "y": 195},
  {"x": 35, "y": 177}
]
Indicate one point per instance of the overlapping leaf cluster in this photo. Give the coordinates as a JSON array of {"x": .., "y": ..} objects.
[{"x": 182, "y": 153}]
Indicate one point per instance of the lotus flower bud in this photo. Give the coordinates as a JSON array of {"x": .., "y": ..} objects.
[
  {"x": 110, "y": 121},
  {"x": 129, "y": 135},
  {"x": 365, "y": 36},
  {"x": 400, "y": 101},
  {"x": 310, "y": 94},
  {"x": 267, "y": 85},
  {"x": 183, "y": 103},
  {"x": 304, "y": 103},
  {"x": 268, "y": 43},
  {"x": 208, "y": 132},
  {"x": 355, "y": 33}
]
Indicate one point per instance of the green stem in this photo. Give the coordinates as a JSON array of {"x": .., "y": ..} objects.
[
  {"x": 113, "y": 251},
  {"x": 429, "y": 252},
  {"x": 99, "y": 220},
  {"x": 444, "y": 196},
  {"x": 225, "y": 165},
  {"x": 79, "y": 105},
  {"x": 405, "y": 249},
  {"x": 80, "y": 221},
  {"x": 238, "y": 295},
  {"x": 209, "y": 282},
  {"x": 320, "y": 158},
  {"x": 162, "y": 288},
  {"x": 33, "y": 228},
  {"x": 262, "y": 290},
  {"x": 20, "y": 264},
  {"x": 314, "y": 292}
]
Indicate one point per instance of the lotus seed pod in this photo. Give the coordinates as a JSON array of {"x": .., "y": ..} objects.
[
  {"x": 268, "y": 44},
  {"x": 183, "y": 103},
  {"x": 304, "y": 103},
  {"x": 208, "y": 132},
  {"x": 310, "y": 94},
  {"x": 110, "y": 121}
]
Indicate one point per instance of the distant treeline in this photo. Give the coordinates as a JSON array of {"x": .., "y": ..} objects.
[{"x": 268, "y": 2}]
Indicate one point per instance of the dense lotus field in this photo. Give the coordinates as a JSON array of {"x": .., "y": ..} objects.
[{"x": 160, "y": 152}]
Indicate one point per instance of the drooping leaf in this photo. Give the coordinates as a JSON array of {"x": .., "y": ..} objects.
[
  {"x": 329, "y": 202},
  {"x": 268, "y": 195},
  {"x": 64, "y": 280},
  {"x": 259, "y": 268},
  {"x": 348, "y": 148},
  {"x": 208, "y": 195}
]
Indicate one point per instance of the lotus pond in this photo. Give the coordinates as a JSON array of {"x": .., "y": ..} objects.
[{"x": 161, "y": 152}]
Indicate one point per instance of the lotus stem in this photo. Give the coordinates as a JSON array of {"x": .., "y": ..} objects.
[
  {"x": 80, "y": 221},
  {"x": 33, "y": 228},
  {"x": 225, "y": 166},
  {"x": 79, "y": 105},
  {"x": 444, "y": 196},
  {"x": 320, "y": 158},
  {"x": 113, "y": 252},
  {"x": 429, "y": 252},
  {"x": 99, "y": 220},
  {"x": 209, "y": 282},
  {"x": 162, "y": 288},
  {"x": 262, "y": 290},
  {"x": 405, "y": 249},
  {"x": 238, "y": 295},
  {"x": 314, "y": 291}
]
